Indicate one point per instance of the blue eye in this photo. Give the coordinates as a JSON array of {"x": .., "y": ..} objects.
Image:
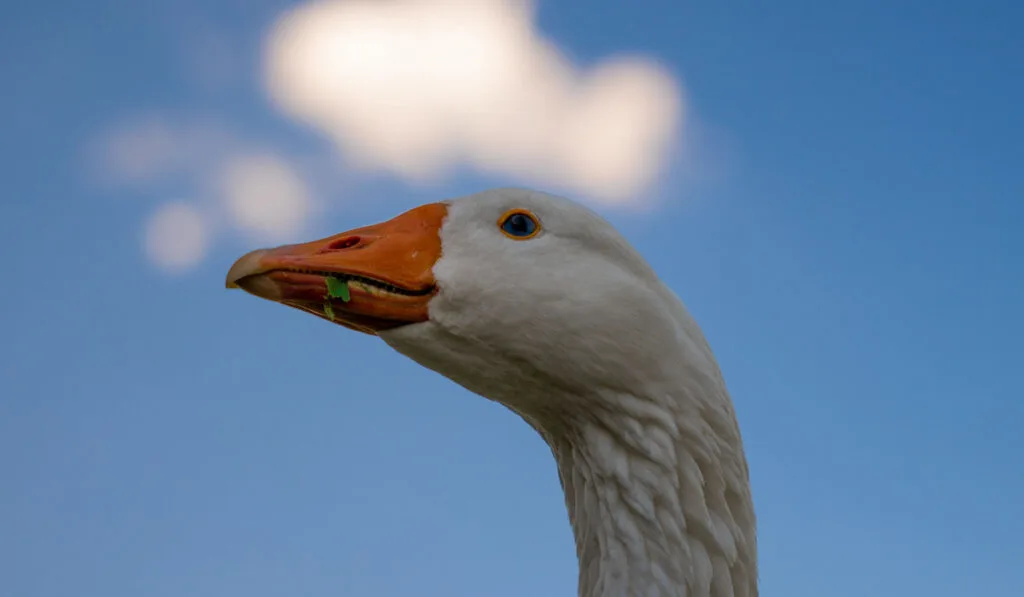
[{"x": 519, "y": 225}]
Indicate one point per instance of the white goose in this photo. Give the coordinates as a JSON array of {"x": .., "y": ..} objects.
[{"x": 537, "y": 303}]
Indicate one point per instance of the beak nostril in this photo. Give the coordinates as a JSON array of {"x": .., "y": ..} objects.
[{"x": 342, "y": 243}]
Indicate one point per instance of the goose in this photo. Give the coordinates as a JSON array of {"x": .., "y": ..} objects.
[{"x": 538, "y": 303}]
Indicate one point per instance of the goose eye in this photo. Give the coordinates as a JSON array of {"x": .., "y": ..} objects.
[{"x": 519, "y": 225}]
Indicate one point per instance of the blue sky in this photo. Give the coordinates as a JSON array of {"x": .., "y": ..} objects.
[{"x": 845, "y": 227}]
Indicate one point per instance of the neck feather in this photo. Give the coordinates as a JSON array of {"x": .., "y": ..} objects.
[{"x": 658, "y": 498}]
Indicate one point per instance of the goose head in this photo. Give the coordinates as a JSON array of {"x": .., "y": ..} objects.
[
  {"x": 538, "y": 303},
  {"x": 508, "y": 292}
]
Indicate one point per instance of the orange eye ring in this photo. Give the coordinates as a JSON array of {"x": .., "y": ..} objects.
[{"x": 519, "y": 224}]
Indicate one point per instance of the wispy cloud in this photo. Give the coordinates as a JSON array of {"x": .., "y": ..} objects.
[
  {"x": 412, "y": 88},
  {"x": 265, "y": 195},
  {"x": 146, "y": 150},
  {"x": 417, "y": 87},
  {"x": 177, "y": 236},
  {"x": 230, "y": 181}
]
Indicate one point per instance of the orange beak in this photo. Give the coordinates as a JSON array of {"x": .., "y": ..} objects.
[{"x": 387, "y": 269}]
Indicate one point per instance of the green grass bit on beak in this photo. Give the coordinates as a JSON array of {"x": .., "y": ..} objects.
[
  {"x": 329, "y": 310},
  {"x": 338, "y": 289}
]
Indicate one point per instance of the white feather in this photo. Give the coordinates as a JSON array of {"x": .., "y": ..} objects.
[{"x": 573, "y": 330}]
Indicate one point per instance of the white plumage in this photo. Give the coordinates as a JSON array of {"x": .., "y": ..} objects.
[{"x": 571, "y": 329}]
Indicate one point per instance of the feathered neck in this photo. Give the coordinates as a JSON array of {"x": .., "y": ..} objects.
[
  {"x": 607, "y": 365},
  {"x": 658, "y": 496}
]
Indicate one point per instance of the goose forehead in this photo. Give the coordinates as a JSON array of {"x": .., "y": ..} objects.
[
  {"x": 571, "y": 233},
  {"x": 484, "y": 207}
]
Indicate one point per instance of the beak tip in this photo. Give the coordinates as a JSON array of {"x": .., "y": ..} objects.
[{"x": 246, "y": 265}]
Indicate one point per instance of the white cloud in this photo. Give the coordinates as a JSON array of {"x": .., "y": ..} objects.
[
  {"x": 176, "y": 237},
  {"x": 412, "y": 88},
  {"x": 145, "y": 151},
  {"x": 417, "y": 87},
  {"x": 257, "y": 192},
  {"x": 264, "y": 194}
]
